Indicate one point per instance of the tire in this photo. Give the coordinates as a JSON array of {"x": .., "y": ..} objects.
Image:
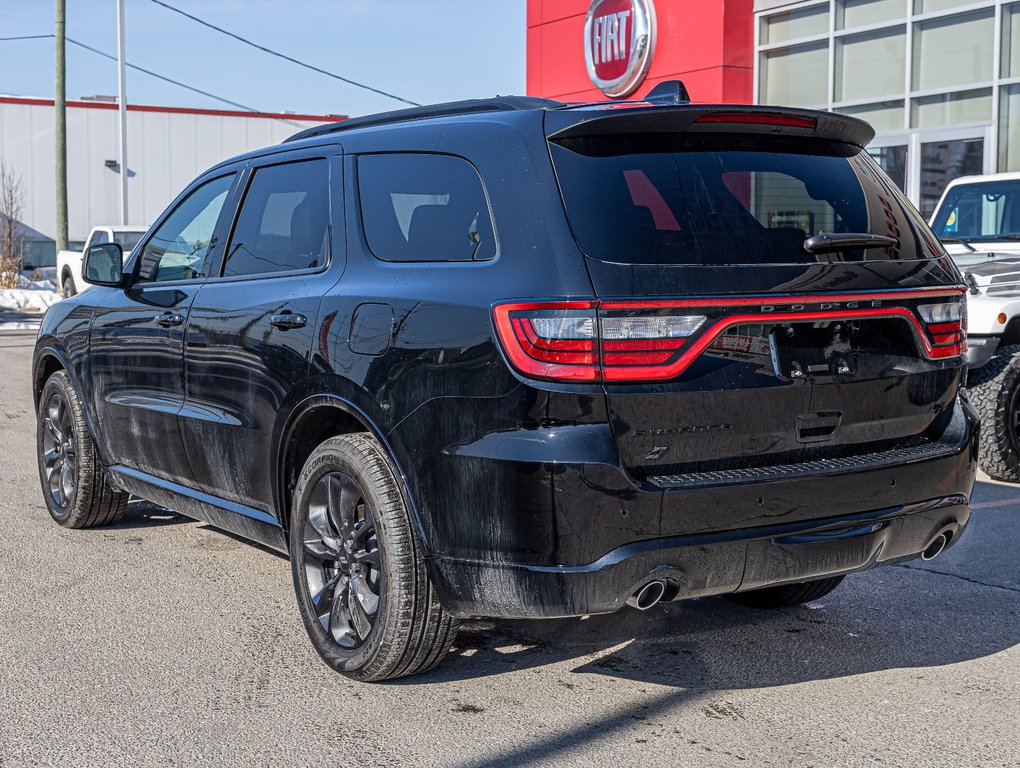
[
  {"x": 994, "y": 390},
  {"x": 74, "y": 483},
  {"x": 68, "y": 288},
  {"x": 359, "y": 574},
  {"x": 786, "y": 595}
]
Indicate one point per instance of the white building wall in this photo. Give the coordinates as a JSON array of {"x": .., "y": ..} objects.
[{"x": 166, "y": 150}]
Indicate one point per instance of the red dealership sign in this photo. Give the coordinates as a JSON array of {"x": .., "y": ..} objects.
[{"x": 619, "y": 41}]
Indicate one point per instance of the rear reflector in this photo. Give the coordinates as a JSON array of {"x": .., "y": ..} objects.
[
  {"x": 759, "y": 118},
  {"x": 656, "y": 340}
]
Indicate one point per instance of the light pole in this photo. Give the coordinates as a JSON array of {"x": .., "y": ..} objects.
[{"x": 122, "y": 114}]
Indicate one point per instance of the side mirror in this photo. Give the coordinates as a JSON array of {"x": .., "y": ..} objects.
[{"x": 104, "y": 265}]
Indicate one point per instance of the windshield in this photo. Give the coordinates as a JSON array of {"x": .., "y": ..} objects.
[
  {"x": 675, "y": 199},
  {"x": 989, "y": 210},
  {"x": 127, "y": 240}
]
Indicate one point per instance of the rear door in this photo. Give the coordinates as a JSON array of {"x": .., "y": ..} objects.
[
  {"x": 252, "y": 324},
  {"x": 136, "y": 353},
  {"x": 769, "y": 354}
]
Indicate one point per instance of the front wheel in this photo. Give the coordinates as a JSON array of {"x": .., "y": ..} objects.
[
  {"x": 74, "y": 483},
  {"x": 786, "y": 595},
  {"x": 362, "y": 588},
  {"x": 995, "y": 392},
  {"x": 68, "y": 286}
]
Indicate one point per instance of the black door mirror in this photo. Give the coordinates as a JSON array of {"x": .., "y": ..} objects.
[{"x": 104, "y": 264}]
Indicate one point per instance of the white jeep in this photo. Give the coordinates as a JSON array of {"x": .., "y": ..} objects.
[{"x": 978, "y": 220}]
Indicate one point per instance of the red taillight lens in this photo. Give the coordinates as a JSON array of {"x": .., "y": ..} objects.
[
  {"x": 759, "y": 118},
  {"x": 946, "y": 324},
  {"x": 550, "y": 340},
  {"x": 573, "y": 341}
]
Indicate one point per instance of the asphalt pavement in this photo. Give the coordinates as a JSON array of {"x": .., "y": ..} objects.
[{"x": 162, "y": 641}]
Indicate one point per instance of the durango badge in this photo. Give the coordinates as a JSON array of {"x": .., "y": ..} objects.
[{"x": 619, "y": 40}]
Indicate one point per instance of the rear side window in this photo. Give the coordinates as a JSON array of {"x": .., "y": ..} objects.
[
  {"x": 654, "y": 199},
  {"x": 419, "y": 207},
  {"x": 284, "y": 221}
]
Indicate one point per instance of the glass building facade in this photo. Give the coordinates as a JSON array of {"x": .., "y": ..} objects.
[{"x": 938, "y": 79}]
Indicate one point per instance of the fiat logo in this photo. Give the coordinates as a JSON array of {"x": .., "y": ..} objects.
[{"x": 619, "y": 40}]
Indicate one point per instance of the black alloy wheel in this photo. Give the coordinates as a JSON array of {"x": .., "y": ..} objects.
[
  {"x": 60, "y": 452},
  {"x": 342, "y": 561},
  {"x": 358, "y": 565},
  {"x": 75, "y": 486}
]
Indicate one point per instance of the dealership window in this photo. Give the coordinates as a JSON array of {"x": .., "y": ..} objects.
[
  {"x": 1009, "y": 129},
  {"x": 884, "y": 117},
  {"x": 870, "y": 64},
  {"x": 791, "y": 25},
  {"x": 1011, "y": 40},
  {"x": 796, "y": 76},
  {"x": 860, "y": 13},
  {"x": 422, "y": 207},
  {"x": 954, "y": 50},
  {"x": 951, "y": 109},
  {"x": 934, "y": 6}
]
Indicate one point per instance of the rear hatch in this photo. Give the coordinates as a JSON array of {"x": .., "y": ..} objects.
[{"x": 724, "y": 341}]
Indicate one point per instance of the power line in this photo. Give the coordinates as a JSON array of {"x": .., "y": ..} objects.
[
  {"x": 284, "y": 56},
  {"x": 156, "y": 75}
]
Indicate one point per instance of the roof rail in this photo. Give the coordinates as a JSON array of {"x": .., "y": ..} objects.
[{"x": 467, "y": 107}]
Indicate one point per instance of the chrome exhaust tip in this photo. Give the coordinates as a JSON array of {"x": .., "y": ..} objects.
[
  {"x": 935, "y": 547},
  {"x": 648, "y": 595}
]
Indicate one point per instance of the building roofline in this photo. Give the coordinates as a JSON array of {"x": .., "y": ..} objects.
[{"x": 41, "y": 102}]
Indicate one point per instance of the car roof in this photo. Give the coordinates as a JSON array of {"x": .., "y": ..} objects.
[{"x": 984, "y": 177}]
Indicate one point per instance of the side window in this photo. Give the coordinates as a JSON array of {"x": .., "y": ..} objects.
[
  {"x": 177, "y": 250},
  {"x": 284, "y": 220},
  {"x": 424, "y": 208}
]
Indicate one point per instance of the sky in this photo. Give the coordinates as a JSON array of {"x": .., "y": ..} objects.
[{"x": 423, "y": 50}]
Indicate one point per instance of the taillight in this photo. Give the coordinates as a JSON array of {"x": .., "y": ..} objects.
[
  {"x": 550, "y": 340},
  {"x": 946, "y": 324},
  {"x": 658, "y": 339},
  {"x": 574, "y": 341}
]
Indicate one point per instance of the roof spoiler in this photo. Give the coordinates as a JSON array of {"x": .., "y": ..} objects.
[{"x": 666, "y": 113}]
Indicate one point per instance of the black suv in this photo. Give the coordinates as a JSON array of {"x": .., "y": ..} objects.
[{"x": 518, "y": 358}]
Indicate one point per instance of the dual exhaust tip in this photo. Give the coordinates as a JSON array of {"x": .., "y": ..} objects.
[{"x": 650, "y": 593}]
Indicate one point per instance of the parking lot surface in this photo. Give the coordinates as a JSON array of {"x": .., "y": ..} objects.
[{"x": 162, "y": 641}]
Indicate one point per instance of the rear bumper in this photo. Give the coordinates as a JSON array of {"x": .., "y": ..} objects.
[
  {"x": 853, "y": 530},
  {"x": 700, "y": 565}
]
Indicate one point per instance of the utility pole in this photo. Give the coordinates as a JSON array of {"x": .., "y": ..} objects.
[
  {"x": 60, "y": 132},
  {"x": 122, "y": 114}
]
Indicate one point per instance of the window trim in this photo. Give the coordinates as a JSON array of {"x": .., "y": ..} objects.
[
  {"x": 248, "y": 176},
  {"x": 360, "y": 210}
]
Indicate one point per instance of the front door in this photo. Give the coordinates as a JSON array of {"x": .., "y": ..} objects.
[
  {"x": 252, "y": 324},
  {"x": 137, "y": 350}
]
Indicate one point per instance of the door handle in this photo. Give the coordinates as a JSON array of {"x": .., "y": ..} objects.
[
  {"x": 169, "y": 319},
  {"x": 288, "y": 320}
]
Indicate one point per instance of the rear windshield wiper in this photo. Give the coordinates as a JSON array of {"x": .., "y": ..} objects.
[{"x": 843, "y": 241}]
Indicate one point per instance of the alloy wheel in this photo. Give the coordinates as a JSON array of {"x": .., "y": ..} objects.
[
  {"x": 342, "y": 559},
  {"x": 60, "y": 453}
]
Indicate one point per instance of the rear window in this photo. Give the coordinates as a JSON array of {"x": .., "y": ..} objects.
[{"x": 657, "y": 199}]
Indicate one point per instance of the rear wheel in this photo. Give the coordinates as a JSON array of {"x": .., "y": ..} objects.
[
  {"x": 786, "y": 595},
  {"x": 995, "y": 391},
  {"x": 74, "y": 483},
  {"x": 68, "y": 287},
  {"x": 359, "y": 574}
]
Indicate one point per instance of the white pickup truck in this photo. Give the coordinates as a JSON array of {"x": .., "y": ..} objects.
[{"x": 69, "y": 262}]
